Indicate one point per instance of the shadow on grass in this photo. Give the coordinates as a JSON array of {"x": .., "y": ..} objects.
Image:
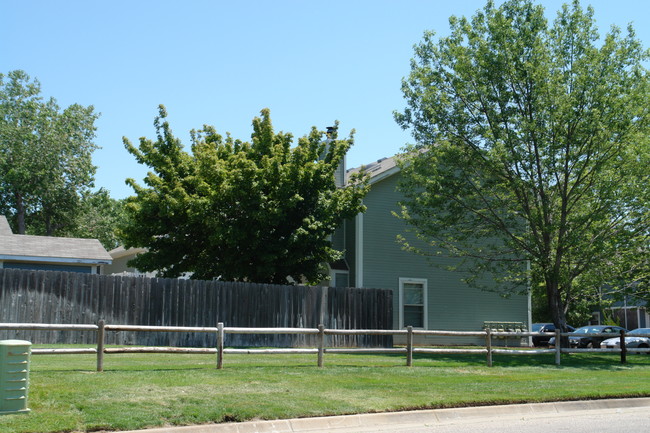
[
  {"x": 586, "y": 361},
  {"x": 194, "y": 362}
]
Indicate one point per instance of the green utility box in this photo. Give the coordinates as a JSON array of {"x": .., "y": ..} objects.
[{"x": 14, "y": 375}]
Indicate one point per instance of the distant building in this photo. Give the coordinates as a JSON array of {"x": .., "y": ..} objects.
[
  {"x": 50, "y": 253},
  {"x": 121, "y": 257}
]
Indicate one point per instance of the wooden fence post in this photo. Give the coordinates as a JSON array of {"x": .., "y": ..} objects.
[
  {"x": 558, "y": 345},
  {"x": 488, "y": 345},
  {"x": 220, "y": 335},
  {"x": 321, "y": 344},
  {"x": 409, "y": 346},
  {"x": 100, "y": 344},
  {"x": 623, "y": 348}
]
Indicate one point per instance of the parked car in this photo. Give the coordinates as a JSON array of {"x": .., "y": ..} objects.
[
  {"x": 579, "y": 340},
  {"x": 542, "y": 340},
  {"x": 633, "y": 340}
]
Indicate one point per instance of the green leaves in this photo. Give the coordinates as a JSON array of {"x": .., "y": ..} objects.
[
  {"x": 45, "y": 157},
  {"x": 530, "y": 140},
  {"x": 260, "y": 211},
  {"x": 98, "y": 217}
]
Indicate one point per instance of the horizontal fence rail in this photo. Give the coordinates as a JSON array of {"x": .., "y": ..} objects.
[
  {"x": 45, "y": 327},
  {"x": 321, "y": 332}
]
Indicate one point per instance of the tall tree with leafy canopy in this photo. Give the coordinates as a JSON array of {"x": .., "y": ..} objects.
[
  {"x": 533, "y": 145},
  {"x": 99, "y": 217},
  {"x": 45, "y": 157},
  {"x": 257, "y": 211}
]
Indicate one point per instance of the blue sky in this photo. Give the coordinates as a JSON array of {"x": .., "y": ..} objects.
[{"x": 221, "y": 62}]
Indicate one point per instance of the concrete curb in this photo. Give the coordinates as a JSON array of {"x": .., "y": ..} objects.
[{"x": 428, "y": 417}]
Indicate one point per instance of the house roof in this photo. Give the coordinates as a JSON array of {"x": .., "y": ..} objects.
[
  {"x": 5, "y": 230},
  {"x": 49, "y": 249},
  {"x": 378, "y": 170}
]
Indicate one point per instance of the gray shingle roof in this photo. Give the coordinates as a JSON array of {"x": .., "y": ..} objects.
[
  {"x": 48, "y": 247},
  {"x": 5, "y": 230},
  {"x": 377, "y": 170}
]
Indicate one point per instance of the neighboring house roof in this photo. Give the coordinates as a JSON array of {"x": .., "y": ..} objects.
[
  {"x": 5, "y": 230},
  {"x": 49, "y": 249},
  {"x": 120, "y": 251}
]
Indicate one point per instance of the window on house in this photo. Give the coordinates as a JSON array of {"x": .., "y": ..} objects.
[
  {"x": 341, "y": 279},
  {"x": 413, "y": 295}
]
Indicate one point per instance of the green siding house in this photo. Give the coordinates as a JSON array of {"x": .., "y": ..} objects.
[{"x": 424, "y": 296}]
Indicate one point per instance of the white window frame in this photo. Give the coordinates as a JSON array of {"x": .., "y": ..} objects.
[{"x": 425, "y": 297}]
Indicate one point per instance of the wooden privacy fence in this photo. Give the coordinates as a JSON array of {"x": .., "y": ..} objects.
[
  {"x": 28, "y": 296},
  {"x": 320, "y": 350}
]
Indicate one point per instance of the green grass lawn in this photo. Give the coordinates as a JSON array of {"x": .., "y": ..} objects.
[{"x": 148, "y": 390}]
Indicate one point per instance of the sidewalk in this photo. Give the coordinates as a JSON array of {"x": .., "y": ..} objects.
[{"x": 401, "y": 420}]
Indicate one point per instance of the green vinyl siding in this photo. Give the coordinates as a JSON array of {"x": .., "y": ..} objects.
[
  {"x": 350, "y": 249},
  {"x": 451, "y": 304},
  {"x": 338, "y": 238},
  {"x": 339, "y": 174}
]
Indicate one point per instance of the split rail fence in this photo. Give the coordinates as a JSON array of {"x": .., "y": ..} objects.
[{"x": 320, "y": 333}]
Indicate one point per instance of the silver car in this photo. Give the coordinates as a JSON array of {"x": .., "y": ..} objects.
[{"x": 637, "y": 339}]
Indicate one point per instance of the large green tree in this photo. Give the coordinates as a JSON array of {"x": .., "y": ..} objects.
[
  {"x": 98, "y": 217},
  {"x": 45, "y": 157},
  {"x": 533, "y": 145},
  {"x": 259, "y": 211}
]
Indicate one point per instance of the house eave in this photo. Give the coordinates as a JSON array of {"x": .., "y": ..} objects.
[
  {"x": 120, "y": 252},
  {"x": 383, "y": 175},
  {"x": 4, "y": 257}
]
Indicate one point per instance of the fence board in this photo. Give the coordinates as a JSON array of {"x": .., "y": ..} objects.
[{"x": 61, "y": 297}]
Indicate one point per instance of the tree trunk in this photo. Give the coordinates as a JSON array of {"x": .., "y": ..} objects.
[
  {"x": 48, "y": 222},
  {"x": 556, "y": 308},
  {"x": 20, "y": 213}
]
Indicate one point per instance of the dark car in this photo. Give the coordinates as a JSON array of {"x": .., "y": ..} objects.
[
  {"x": 579, "y": 339},
  {"x": 542, "y": 340}
]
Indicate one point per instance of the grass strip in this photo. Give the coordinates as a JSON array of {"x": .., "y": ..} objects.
[{"x": 151, "y": 390}]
